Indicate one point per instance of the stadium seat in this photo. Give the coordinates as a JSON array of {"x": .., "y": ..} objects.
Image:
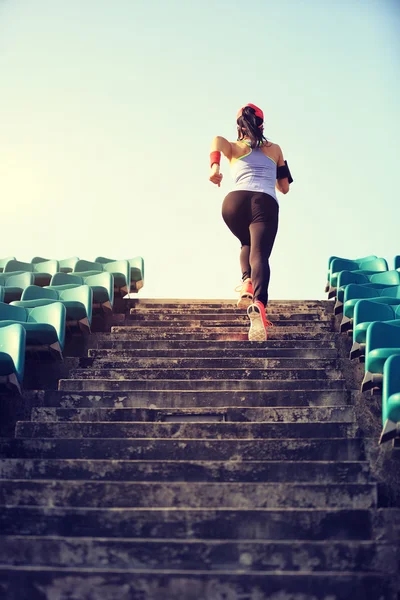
[
  {"x": 12, "y": 355},
  {"x": 42, "y": 271},
  {"x": 14, "y": 285},
  {"x": 365, "y": 267},
  {"x": 102, "y": 285},
  {"x": 382, "y": 340},
  {"x": 44, "y": 325},
  {"x": 77, "y": 301},
  {"x": 136, "y": 271},
  {"x": 377, "y": 281},
  {"x": 332, "y": 258},
  {"x": 119, "y": 269},
  {"x": 354, "y": 293},
  {"x": 397, "y": 262},
  {"x": 391, "y": 399},
  {"x": 4, "y": 261},
  {"x": 66, "y": 265},
  {"x": 365, "y": 313}
]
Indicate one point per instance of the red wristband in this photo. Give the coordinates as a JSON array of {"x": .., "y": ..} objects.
[{"x": 215, "y": 157}]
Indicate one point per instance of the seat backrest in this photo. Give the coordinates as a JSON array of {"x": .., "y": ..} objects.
[
  {"x": 17, "y": 265},
  {"x": 386, "y": 277},
  {"x": 35, "y": 292},
  {"x": 4, "y": 261},
  {"x": 103, "y": 260},
  {"x": 342, "y": 264},
  {"x": 382, "y": 335},
  {"x": 86, "y": 265},
  {"x": 66, "y": 278},
  {"x": 377, "y": 264},
  {"x": 12, "y": 313},
  {"x": 346, "y": 277},
  {"x": 2, "y": 292},
  {"x": 67, "y": 265},
  {"x": 39, "y": 259},
  {"x": 49, "y": 266},
  {"x": 391, "y": 379},
  {"x": 391, "y": 292},
  {"x": 22, "y": 280},
  {"x": 352, "y": 291}
]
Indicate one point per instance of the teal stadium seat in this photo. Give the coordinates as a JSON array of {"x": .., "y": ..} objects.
[
  {"x": 391, "y": 399},
  {"x": 14, "y": 285},
  {"x": 332, "y": 258},
  {"x": 136, "y": 265},
  {"x": 12, "y": 355},
  {"x": 119, "y": 269},
  {"x": 377, "y": 281},
  {"x": 44, "y": 325},
  {"x": 102, "y": 285},
  {"x": 42, "y": 271},
  {"x": 382, "y": 340},
  {"x": 397, "y": 262},
  {"x": 66, "y": 265},
  {"x": 4, "y": 261},
  {"x": 365, "y": 313},
  {"x": 366, "y": 267},
  {"x": 77, "y": 301},
  {"x": 354, "y": 293}
]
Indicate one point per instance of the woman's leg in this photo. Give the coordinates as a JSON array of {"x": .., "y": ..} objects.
[
  {"x": 236, "y": 214},
  {"x": 263, "y": 229}
]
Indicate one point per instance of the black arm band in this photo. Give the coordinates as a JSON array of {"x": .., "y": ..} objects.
[{"x": 283, "y": 172}]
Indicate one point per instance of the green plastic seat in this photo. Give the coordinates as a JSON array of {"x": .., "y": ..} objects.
[
  {"x": 4, "y": 261},
  {"x": 85, "y": 268},
  {"x": 42, "y": 271},
  {"x": 391, "y": 399},
  {"x": 365, "y": 313},
  {"x": 378, "y": 281},
  {"x": 12, "y": 355},
  {"x": 136, "y": 266},
  {"x": 119, "y": 269},
  {"x": 102, "y": 285},
  {"x": 354, "y": 293},
  {"x": 14, "y": 285},
  {"x": 382, "y": 340},
  {"x": 77, "y": 301},
  {"x": 365, "y": 267},
  {"x": 44, "y": 325},
  {"x": 332, "y": 258},
  {"x": 397, "y": 262},
  {"x": 66, "y": 265}
]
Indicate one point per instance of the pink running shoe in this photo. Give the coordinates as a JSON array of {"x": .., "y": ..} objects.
[
  {"x": 246, "y": 294},
  {"x": 258, "y": 322}
]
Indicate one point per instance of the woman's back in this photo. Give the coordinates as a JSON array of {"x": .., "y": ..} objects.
[{"x": 254, "y": 169}]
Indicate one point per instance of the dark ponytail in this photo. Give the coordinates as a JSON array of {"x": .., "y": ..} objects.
[{"x": 251, "y": 126}]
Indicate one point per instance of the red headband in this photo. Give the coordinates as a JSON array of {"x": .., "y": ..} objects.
[{"x": 259, "y": 112}]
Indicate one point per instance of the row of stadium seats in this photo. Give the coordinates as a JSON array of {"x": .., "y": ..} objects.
[
  {"x": 368, "y": 295},
  {"x": 128, "y": 275}
]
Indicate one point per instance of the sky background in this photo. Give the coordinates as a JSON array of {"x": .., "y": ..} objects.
[{"x": 108, "y": 109}]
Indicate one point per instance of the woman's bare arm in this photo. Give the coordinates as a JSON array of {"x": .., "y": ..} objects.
[{"x": 282, "y": 185}]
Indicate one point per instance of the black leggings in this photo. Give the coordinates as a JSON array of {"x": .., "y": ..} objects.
[{"x": 253, "y": 219}]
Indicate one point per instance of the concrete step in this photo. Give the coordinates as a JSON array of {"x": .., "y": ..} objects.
[
  {"x": 103, "y": 494},
  {"x": 144, "y": 314},
  {"x": 343, "y": 414},
  {"x": 340, "y": 449},
  {"x": 215, "y": 304},
  {"x": 210, "y": 373},
  {"x": 163, "y": 470},
  {"x": 195, "y": 399},
  {"x": 220, "y": 431},
  {"x": 114, "y": 342},
  {"x": 220, "y": 353},
  {"x": 237, "y": 323},
  {"x": 218, "y": 333},
  {"x": 197, "y": 555},
  {"x": 110, "y": 385},
  {"x": 209, "y": 363},
  {"x": 248, "y": 524},
  {"x": 174, "y": 585}
]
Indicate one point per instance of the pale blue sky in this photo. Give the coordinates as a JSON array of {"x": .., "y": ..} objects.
[{"x": 108, "y": 109}]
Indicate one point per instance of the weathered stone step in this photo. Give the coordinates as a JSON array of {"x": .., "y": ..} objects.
[
  {"x": 199, "y": 555},
  {"x": 114, "y": 342},
  {"x": 102, "y": 494},
  {"x": 260, "y": 524},
  {"x": 218, "y": 333},
  {"x": 140, "y": 314},
  {"x": 164, "y": 470},
  {"x": 247, "y": 385},
  {"x": 39, "y": 584},
  {"x": 340, "y": 449},
  {"x": 207, "y": 352},
  {"x": 220, "y": 431},
  {"x": 199, "y": 384},
  {"x": 344, "y": 414},
  {"x": 205, "y": 373},
  {"x": 233, "y": 324},
  {"x": 212, "y": 363},
  {"x": 193, "y": 303},
  {"x": 195, "y": 399}
]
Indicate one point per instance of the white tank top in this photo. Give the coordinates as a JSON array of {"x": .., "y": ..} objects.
[{"x": 254, "y": 172}]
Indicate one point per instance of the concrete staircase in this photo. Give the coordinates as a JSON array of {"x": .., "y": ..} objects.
[{"x": 180, "y": 461}]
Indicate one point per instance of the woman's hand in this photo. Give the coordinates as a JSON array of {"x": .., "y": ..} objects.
[{"x": 215, "y": 175}]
